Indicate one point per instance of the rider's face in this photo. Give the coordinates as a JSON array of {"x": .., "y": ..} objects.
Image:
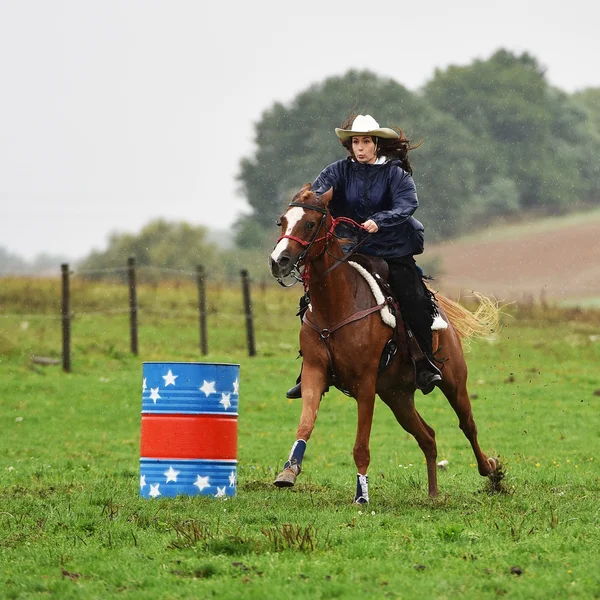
[{"x": 364, "y": 149}]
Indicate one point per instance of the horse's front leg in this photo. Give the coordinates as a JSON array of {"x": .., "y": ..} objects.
[
  {"x": 365, "y": 399},
  {"x": 313, "y": 386}
]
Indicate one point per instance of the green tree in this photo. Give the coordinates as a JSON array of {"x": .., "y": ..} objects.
[
  {"x": 498, "y": 198},
  {"x": 159, "y": 244},
  {"x": 589, "y": 100},
  {"x": 535, "y": 131},
  {"x": 294, "y": 143},
  {"x": 488, "y": 129}
]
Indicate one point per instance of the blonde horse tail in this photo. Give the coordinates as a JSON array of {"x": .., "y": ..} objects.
[{"x": 483, "y": 323}]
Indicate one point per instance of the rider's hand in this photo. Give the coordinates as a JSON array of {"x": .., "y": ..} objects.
[{"x": 370, "y": 226}]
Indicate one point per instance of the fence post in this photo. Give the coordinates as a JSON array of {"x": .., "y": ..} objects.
[
  {"x": 66, "y": 319},
  {"x": 248, "y": 312},
  {"x": 133, "y": 325},
  {"x": 202, "y": 309}
]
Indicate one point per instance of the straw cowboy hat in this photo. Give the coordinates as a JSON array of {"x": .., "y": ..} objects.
[{"x": 365, "y": 125}]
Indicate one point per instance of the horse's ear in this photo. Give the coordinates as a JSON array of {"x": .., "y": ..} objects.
[
  {"x": 306, "y": 187},
  {"x": 327, "y": 196}
]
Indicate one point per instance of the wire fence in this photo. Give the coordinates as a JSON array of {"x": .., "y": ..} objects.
[{"x": 123, "y": 300}]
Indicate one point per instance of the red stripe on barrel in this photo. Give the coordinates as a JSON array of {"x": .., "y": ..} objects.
[{"x": 189, "y": 436}]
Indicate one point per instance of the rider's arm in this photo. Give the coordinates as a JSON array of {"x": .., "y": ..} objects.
[{"x": 404, "y": 200}]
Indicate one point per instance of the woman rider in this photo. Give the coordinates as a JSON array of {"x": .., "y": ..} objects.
[{"x": 374, "y": 187}]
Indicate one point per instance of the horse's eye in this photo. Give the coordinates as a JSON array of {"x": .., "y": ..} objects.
[
  {"x": 278, "y": 223},
  {"x": 310, "y": 225}
]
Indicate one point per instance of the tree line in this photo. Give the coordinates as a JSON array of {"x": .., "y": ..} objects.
[{"x": 497, "y": 140}]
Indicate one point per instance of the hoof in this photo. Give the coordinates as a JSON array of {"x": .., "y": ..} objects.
[
  {"x": 287, "y": 477},
  {"x": 495, "y": 476},
  {"x": 361, "y": 500}
]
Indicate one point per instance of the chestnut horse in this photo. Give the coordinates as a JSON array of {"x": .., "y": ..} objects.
[{"x": 343, "y": 337}]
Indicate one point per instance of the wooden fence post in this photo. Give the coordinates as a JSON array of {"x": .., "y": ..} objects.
[
  {"x": 248, "y": 312},
  {"x": 66, "y": 319},
  {"x": 202, "y": 309},
  {"x": 133, "y": 324}
]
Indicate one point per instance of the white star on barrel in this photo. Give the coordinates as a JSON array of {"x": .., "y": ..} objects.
[
  {"x": 170, "y": 378},
  {"x": 154, "y": 395},
  {"x": 225, "y": 400},
  {"x": 208, "y": 387},
  {"x": 171, "y": 474},
  {"x": 232, "y": 479},
  {"x": 236, "y": 387},
  {"x": 154, "y": 490},
  {"x": 201, "y": 482},
  {"x": 220, "y": 492}
]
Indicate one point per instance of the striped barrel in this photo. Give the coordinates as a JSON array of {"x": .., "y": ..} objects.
[{"x": 189, "y": 429}]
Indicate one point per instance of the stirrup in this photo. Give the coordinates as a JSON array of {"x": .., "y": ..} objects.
[
  {"x": 427, "y": 376},
  {"x": 294, "y": 392}
]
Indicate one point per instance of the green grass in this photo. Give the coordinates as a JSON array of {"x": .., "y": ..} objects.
[
  {"x": 72, "y": 524},
  {"x": 584, "y": 303}
]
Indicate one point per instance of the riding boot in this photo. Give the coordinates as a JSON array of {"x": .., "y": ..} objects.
[
  {"x": 295, "y": 392},
  {"x": 427, "y": 375}
]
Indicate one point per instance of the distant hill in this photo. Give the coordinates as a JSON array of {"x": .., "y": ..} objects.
[
  {"x": 553, "y": 258},
  {"x": 12, "y": 264}
]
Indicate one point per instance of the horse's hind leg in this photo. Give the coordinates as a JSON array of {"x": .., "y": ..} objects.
[
  {"x": 455, "y": 390},
  {"x": 403, "y": 407}
]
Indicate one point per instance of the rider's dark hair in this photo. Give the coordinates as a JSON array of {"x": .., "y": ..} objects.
[{"x": 390, "y": 148}]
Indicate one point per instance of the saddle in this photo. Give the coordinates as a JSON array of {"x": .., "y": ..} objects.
[
  {"x": 378, "y": 267},
  {"x": 375, "y": 265}
]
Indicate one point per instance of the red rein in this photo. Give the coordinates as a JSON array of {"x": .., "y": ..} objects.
[
  {"x": 334, "y": 222},
  {"x": 326, "y": 237}
]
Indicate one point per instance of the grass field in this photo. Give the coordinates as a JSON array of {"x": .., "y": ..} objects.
[{"x": 72, "y": 524}]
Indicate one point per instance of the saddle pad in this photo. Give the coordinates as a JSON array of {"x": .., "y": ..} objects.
[{"x": 386, "y": 314}]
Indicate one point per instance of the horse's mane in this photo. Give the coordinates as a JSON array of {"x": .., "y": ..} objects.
[{"x": 483, "y": 323}]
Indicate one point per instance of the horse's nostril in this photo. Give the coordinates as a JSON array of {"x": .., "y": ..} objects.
[{"x": 283, "y": 261}]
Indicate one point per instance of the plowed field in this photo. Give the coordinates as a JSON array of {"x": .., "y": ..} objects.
[{"x": 558, "y": 259}]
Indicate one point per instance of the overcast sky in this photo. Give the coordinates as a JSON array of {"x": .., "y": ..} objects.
[{"x": 115, "y": 112}]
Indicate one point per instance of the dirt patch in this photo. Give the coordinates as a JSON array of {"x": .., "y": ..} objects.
[{"x": 558, "y": 264}]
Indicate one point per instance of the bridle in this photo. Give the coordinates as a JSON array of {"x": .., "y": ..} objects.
[{"x": 307, "y": 245}]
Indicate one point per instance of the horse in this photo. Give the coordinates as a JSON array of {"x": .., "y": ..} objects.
[{"x": 343, "y": 337}]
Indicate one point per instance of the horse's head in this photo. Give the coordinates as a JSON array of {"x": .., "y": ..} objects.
[{"x": 303, "y": 231}]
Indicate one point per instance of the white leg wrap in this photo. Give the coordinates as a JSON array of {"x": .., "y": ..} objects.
[{"x": 362, "y": 489}]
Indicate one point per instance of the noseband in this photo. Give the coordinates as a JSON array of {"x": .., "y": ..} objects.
[{"x": 308, "y": 245}]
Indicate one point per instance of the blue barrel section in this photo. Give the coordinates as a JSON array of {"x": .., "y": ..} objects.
[
  {"x": 188, "y": 442},
  {"x": 169, "y": 478},
  {"x": 192, "y": 388}
]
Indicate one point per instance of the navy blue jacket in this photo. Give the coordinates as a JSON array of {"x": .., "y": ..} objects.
[{"x": 386, "y": 194}]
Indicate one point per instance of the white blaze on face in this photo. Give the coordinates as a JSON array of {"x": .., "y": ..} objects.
[{"x": 293, "y": 216}]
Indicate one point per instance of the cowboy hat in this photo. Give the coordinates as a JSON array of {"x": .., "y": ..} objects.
[{"x": 365, "y": 125}]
